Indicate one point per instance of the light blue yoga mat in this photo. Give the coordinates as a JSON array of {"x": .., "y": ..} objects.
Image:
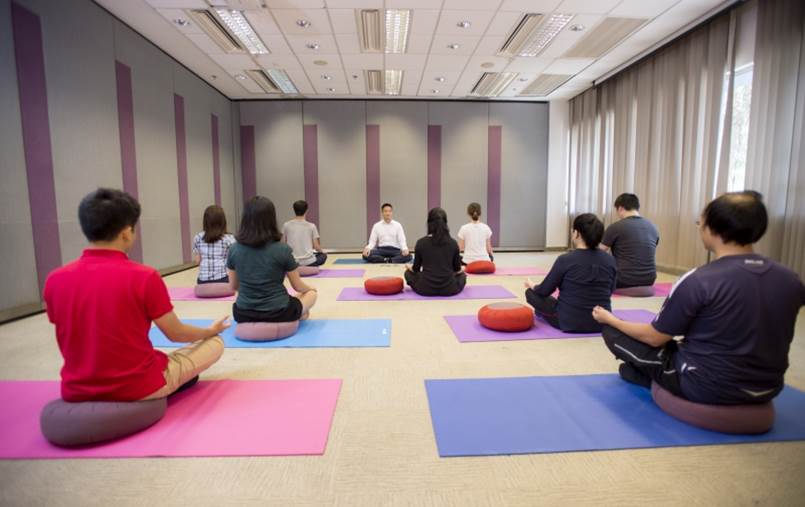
[
  {"x": 522, "y": 415},
  {"x": 321, "y": 333},
  {"x": 349, "y": 261}
]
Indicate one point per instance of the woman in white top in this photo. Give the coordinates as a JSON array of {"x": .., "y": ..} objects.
[{"x": 475, "y": 238}]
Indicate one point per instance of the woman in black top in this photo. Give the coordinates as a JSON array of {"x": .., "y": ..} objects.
[
  {"x": 585, "y": 278},
  {"x": 437, "y": 267}
]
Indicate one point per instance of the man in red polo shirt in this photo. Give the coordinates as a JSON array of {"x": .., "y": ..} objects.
[{"x": 103, "y": 304}]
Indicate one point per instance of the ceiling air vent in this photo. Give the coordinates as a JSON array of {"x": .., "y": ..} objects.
[
  {"x": 207, "y": 21},
  {"x": 544, "y": 85},
  {"x": 374, "y": 82},
  {"x": 492, "y": 84},
  {"x": 606, "y": 35},
  {"x": 370, "y": 30}
]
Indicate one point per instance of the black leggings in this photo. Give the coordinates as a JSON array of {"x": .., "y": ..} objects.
[
  {"x": 649, "y": 363},
  {"x": 545, "y": 307},
  {"x": 420, "y": 285}
]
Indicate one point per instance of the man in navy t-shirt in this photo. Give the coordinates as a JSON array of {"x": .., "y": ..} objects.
[{"x": 736, "y": 316}]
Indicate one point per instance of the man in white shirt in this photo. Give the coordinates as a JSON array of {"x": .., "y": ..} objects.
[{"x": 387, "y": 241}]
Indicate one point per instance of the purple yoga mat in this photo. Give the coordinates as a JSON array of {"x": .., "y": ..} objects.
[
  {"x": 469, "y": 292},
  {"x": 467, "y": 329},
  {"x": 339, "y": 273},
  {"x": 513, "y": 271}
]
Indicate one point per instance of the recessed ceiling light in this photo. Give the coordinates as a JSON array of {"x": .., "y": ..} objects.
[
  {"x": 488, "y": 65},
  {"x": 240, "y": 77},
  {"x": 440, "y": 79},
  {"x": 577, "y": 28},
  {"x": 319, "y": 62},
  {"x": 326, "y": 77},
  {"x": 330, "y": 89},
  {"x": 523, "y": 79},
  {"x": 453, "y": 46},
  {"x": 312, "y": 45},
  {"x": 303, "y": 23},
  {"x": 464, "y": 24},
  {"x": 354, "y": 76},
  {"x": 181, "y": 22},
  {"x": 434, "y": 91}
]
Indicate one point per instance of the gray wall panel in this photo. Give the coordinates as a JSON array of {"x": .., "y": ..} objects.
[
  {"x": 342, "y": 170},
  {"x": 524, "y": 170},
  {"x": 464, "y": 156},
  {"x": 403, "y": 161},
  {"x": 18, "y": 268}
]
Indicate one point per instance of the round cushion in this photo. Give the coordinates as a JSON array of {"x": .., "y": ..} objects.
[
  {"x": 643, "y": 291},
  {"x": 739, "y": 419},
  {"x": 90, "y": 422},
  {"x": 265, "y": 331},
  {"x": 384, "y": 285},
  {"x": 308, "y": 270},
  {"x": 213, "y": 290},
  {"x": 509, "y": 317},
  {"x": 480, "y": 267}
]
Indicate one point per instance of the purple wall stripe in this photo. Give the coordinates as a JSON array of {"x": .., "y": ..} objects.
[
  {"x": 248, "y": 162},
  {"x": 434, "y": 166},
  {"x": 181, "y": 170},
  {"x": 372, "y": 175},
  {"x": 128, "y": 154},
  {"x": 493, "y": 177},
  {"x": 216, "y": 159},
  {"x": 310, "y": 147},
  {"x": 32, "y": 86}
]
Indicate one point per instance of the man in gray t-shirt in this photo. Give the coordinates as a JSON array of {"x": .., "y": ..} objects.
[
  {"x": 303, "y": 238},
  {"x": 632, "y": 240}
]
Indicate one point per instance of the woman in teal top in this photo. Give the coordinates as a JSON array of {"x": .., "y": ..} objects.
[{"x": 257, "y": 265}]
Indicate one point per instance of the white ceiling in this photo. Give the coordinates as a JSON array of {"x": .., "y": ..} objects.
[{"x": 433, "y": 27}]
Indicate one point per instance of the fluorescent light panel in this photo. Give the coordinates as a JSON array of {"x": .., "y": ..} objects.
[
  {"x": 493, "y": 84},
  {"x": 240, "y": 28},
  {"x": 393, "y": 82},
  {"x": 283, "y": 82},
  {"x": 262, "y": 79},
  {"x": 534, "y": 33},
  {"x": 398, "y": 23},
  {"x": 215, "y": 30}
]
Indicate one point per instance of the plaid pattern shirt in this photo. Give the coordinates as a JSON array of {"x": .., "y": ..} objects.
[{"x": 213, "y": 256}]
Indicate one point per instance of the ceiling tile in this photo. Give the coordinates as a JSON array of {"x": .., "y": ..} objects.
[
  {"x": 234, "y": 63},
  {"x": 273, "y": 61},
  {"x": 363, "y": 61},
  {"x": 499, "y": 63},
  {"x": 357, "y": 85},
  {"x": 295, "y": 4},
  {"x": 450, "y": 79},
  {"x": 326, "y": 44},
  {"x": 466, "y": 45},
  {"x": 530, "y": 5},
  {"x": 479, "y": 5},
  {"x": 568, "y": 65},
  {"x": 172, "y": 14},
  {"x": 354, "y": 4},
  {"x": 405, "y": 62},
  {"x": 263, "y": 23},
  {"x": 587, "y": 6},
  {"x": 410, "y": 82},
  {"x": 333, "y": 61},
  {"x": 448, "y": 22},
  {"x": 343, "y": 21},
  {"x": 277, "y": 45},
  {"x": 441, "y": 63},
  {"x": 490, "y": 45},
  {"x": 423, "y": 23},
  {"x": 411, "y": 4},
  {"x": 641, "y": 8},
  {"x": 503, "y": 23},
  {"x": 529, "y": 65},
  {"x": 300, "y": 80},
  {"x": 178, "y": 4},
  {"x": 419, "y": 45},
  {"x": 286, "y": 18},
  {"x": 205, "y": 43},
  {"x": 348, "y": 43}
]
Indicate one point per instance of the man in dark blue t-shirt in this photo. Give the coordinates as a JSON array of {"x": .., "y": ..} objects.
[{"x": 736, "y": 316}]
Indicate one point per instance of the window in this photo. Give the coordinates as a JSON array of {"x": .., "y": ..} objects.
[{"x": 739, "y": 138}]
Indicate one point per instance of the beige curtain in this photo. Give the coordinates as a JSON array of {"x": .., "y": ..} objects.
[
  {"x": 654, "y": 130},
  {"x": 776, "y": 154}
]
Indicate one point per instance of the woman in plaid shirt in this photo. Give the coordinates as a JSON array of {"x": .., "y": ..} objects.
[{"x": 211, "y": 247}]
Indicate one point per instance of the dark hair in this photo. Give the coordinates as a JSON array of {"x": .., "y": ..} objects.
[
  {"x": 105, "y": 212},
  {"x": 214, "y": 223},
  {"x": 737, "y": 217},
  {"x": 590, "y": 228},
  {"x": 384, "y": 206},
  {"x": 258, "y": 225},
  {"x": 628, "y": 202},
  {"x": 300, "y": 208},
  {"x": 474, "y": 210},
  {"x": 437, "y": 225}
]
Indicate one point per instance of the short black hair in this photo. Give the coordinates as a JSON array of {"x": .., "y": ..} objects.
[
  {"x": 258, "y": 225},
  {"x": 104, "y": 213},
  {"x": 737, "y": 217},
  {"x": 590, "y": 228},
  {"x": 628, "y": 202},
  {"x": 384, "y": 206},
  {"x": 300, "y": 208}
]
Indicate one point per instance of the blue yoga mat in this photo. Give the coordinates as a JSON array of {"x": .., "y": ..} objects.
[
  {"x": 523, "y": 415},
  {"x": 311, "y": 333},
  {"x": 349, "y": 261}
]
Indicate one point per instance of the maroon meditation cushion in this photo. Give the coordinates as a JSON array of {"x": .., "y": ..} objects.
[
  {"x": 750, "y": 419},
  {"x": 480, "y": 267},
  {"x": 308, "y": 270},
  {"x": 70, "y": 424},
  {"x": 384, "y": 285},
  {"x": 508, "y": 317},
  {"x": 265, "y": 331},
  {"x": 213, "y": 290}
]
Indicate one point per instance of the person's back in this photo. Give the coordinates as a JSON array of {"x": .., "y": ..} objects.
[
  {"x": 587, "y": 281},
  {"x": 735, "y": 348},
  {"x": 439, "y": 263},
  {"x": 475, "y": 236},
  {"x": 633, "y": 241},
  {"x": 102, "y": 305},
  {"x": 261, "y": 272},
  {"x": 299, "y": 234},
  {"x": 212, "y": 257}
]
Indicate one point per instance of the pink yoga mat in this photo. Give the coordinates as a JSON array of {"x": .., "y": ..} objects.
[
  {"x": 661, "y": 290},
  {"x": 514, "y": 271},
  {"x": 467, "y": 329},
  {"x": 187, "y": 294},
  {"x": 469, "y": 292},
  {"x": 217, "y": 418}
]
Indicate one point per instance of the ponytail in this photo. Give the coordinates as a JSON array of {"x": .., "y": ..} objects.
[{"x": 474, "y": 211}]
